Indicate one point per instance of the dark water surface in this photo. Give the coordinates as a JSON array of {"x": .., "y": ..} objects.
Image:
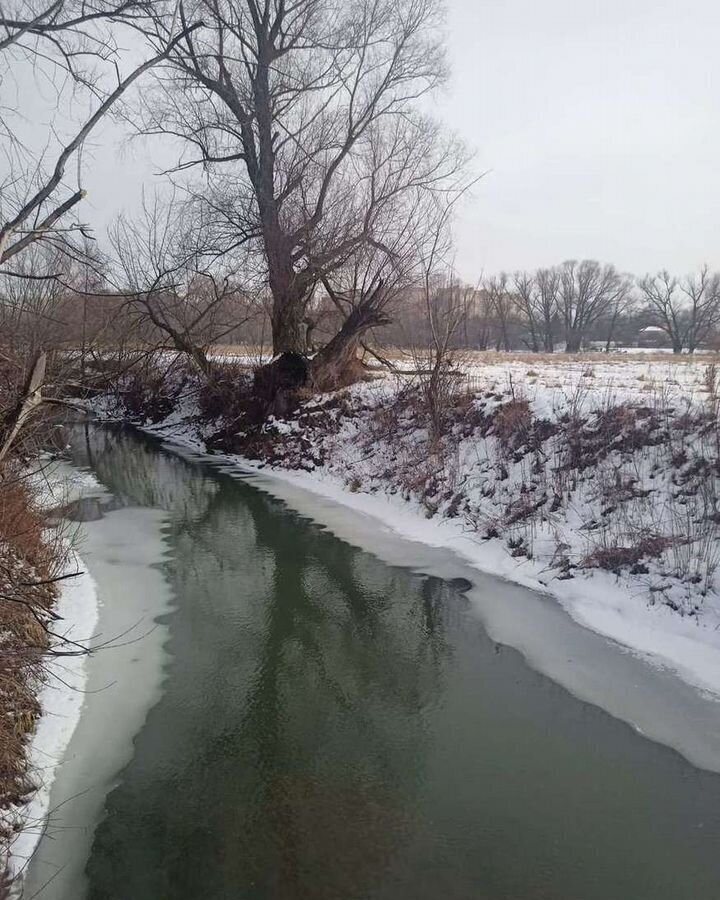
[{"x": 332, "y": 727}]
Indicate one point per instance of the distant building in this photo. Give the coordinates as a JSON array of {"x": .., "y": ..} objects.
[{"x": 652, "y": 336}]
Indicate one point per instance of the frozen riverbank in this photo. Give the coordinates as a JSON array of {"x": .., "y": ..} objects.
[
  {"x": 62, "y": 694},
  {"x": 85, "y": 734},
  {"x": 516, "y": 611},
  {"x": 599, "y": 602},
  {"x": 361, "y": 474},
  {"x": 61, "y": 700}
]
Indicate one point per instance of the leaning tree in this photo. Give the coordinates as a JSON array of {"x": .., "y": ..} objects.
[{"x": 305, "y": 118}]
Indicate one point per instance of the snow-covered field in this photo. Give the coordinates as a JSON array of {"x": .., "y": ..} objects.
[
  {"x": 631, "y": 374},
  {"x": 594, "y": 479},
  {"x": 552, "y": 384}
]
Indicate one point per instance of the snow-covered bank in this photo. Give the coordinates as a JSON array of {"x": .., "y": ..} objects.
[
  {"x": 62, "y": 694},
  {"x": 61, "y": 700},
  {"x": 605, "y": 497},
  {"x": 599, "y": 602},
  {"x": 123, "y": 548},
  {"x": 655, "y": 702}
]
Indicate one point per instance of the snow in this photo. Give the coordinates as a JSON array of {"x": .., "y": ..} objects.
[
  {"x": 124, "y": 550},
  {"x": 598, "y": 602},
  {"x": 61, "y": 700},
  {"x": 622, "y": 608},
  {"x": 61, "y": 696}
]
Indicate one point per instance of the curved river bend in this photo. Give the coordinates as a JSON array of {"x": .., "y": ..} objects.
[{"x": 307, "y": 722}]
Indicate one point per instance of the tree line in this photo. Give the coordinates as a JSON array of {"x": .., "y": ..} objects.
[{"x": 575, "y": 305}]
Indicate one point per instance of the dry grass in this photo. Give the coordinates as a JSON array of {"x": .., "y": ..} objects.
[
  {"x": 28, "y": 563},
  {"x": 495, "y": 357}
]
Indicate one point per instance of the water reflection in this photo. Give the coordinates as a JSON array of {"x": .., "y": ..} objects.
[
  {"x": 294, "y": 734},
  {"x": 333, "y": 727}
]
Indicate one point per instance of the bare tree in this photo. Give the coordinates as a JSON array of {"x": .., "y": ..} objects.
[
  {"x": 536, "y": 297},
  {"x": 665, "y": 304},
  {"x": 37, "y": 215},
  {"x": 304, "y": 118},
  {"x": 525, "y": 298},
  {"x": 182, "y": 304},
  {"x": 703, "y": 301},
  {"x": 500, "y": 304},
  {"x": 548, "y": 282},
  {"x": 686, "y": 310},
  {"x": 587, "y": 292},
  {"x": 69, "y": 43}
]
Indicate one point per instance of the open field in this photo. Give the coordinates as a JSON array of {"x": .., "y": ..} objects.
[{"x": 552, "y": 380}]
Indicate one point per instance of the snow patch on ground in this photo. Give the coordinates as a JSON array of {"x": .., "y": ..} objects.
[{"x": 61, "y": 700}]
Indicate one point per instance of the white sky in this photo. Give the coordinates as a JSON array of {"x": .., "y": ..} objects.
[{"x": 599, "y": 123}]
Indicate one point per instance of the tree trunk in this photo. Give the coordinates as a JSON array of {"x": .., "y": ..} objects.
[
  {"x": 573, "y": 341},
  {"x": 30, "y": 399},
  {"x": 548, "y": 341},
  {"x": 288, "y": 328},
  {"x": 337, "y": 364}
]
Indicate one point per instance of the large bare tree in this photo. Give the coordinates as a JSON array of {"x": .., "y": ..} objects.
[
  {"x": 588, "y": 292},
  {"x": 304, "y": 117}
]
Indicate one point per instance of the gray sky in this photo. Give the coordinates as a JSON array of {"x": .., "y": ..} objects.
[{"x": 599, "y": 123}]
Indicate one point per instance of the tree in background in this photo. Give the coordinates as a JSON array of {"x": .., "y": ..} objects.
[
  {"x": 687, "y": 310},
  {"x": 587, "y": 292},
  {"x": 500, "y": 305},
  {"x": 536, "y": 296}
]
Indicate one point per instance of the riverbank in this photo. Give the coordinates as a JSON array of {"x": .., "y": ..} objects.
[
  {"x": 60, "y": 700},
  {"x": 57, "y": 668},
  {"x": 123, "y": 551},
  {"x": 605, "y": 499},
  {"x": 330, "y": 691}
]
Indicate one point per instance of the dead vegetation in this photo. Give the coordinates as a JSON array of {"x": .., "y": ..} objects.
[{"x": 29, "y": 564}]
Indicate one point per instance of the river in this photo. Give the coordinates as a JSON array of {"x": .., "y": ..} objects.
[{"x": 282, "y": 715}]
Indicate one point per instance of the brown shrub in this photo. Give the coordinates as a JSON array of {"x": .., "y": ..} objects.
[
  {"x": 27, "y": 566},
  {"x": 616, "y": 558},
  {"x": 512, "y": 424},
  {"x": 226, "y": 393}
]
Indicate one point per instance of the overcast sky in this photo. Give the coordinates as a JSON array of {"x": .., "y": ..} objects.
[{"x": 599, "y": 123}]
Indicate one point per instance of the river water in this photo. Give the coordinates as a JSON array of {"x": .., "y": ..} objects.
[{"x": 306, "y": 722}]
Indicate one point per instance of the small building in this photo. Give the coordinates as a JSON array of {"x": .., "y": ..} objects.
[{"x": 652, "y": 336}]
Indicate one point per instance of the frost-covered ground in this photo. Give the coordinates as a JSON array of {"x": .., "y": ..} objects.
[{"x": 595, "y": 479}]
